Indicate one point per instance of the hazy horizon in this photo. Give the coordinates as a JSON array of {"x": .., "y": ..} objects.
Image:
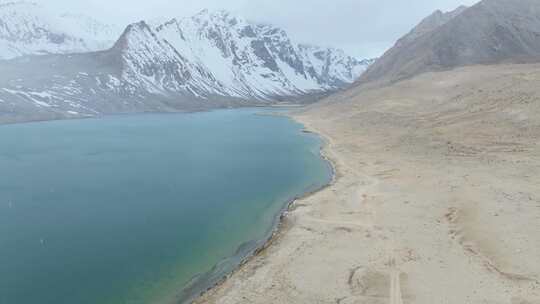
[{"x": 363, "y": 28}]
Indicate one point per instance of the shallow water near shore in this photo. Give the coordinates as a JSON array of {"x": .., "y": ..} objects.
[{"x": 131, "y": 209}]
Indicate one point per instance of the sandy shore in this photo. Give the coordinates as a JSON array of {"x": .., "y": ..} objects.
[{"x": 437, "y": 198}]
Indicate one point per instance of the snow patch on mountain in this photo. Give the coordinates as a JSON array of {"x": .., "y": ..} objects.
[
  {"x": 210, "y": 60},
  {"x": 257, "y": 60},
  {"x": 27, "y": 28}
]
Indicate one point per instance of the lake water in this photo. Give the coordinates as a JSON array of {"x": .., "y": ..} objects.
[{"x": 130, "y": 209}]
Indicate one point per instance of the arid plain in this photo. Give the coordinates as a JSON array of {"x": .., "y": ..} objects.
[{"x": 436, "y": 198}]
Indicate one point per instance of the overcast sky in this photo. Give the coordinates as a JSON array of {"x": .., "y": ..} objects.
[{"x": 365, "y": 28}]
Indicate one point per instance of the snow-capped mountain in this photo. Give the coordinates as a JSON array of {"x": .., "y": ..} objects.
[
  {"x": 333, "y": 66},
  {"x": 251, "y": 60},
  {"x": 210, "y": 60},
  {"x": 151, "y": 64},
  {"x": 30, "y": 29},
  {"x": 96, "y": 35}
]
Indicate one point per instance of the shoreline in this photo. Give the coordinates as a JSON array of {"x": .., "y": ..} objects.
[
  {"x": 278, "y": 229},
  {"x": 419, "y": 212},
  {"x": 286, "y": 106},
  {"x": 202, "y": 283}
]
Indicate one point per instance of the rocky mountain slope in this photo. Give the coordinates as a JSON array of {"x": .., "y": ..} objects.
[
  {"x": 257, "y": 60},
  {"x": 30, "y": 29},
  {"x": 430, "y": 23},
  {"x": 213, "y": 59},
  {"x": 491, "y": 31}
]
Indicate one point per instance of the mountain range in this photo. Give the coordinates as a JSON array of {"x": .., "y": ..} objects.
[
  {"x": 30, "y": 29},
  {"x": 65, "y": 66},
  {"x": 490, "y": 32}
]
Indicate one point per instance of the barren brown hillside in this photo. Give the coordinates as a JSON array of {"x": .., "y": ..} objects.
[{"x": 437, "y": 198}]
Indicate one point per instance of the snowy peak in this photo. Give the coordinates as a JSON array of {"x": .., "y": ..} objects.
[
  {"x": 256, "y": 60},
  {"x": 333, "y": 65},
  {"x": 221, "y": 17},
  {"x": 29, "y": 29},
  {"x": 25, "y": 26},
  {"x": 213, "y": 53},
  {"x": 92, "y": 31},
  {"x": 137, "y": 36},
  {"x": 145, "y": 57},
  {"x": 213, "y": 59},
  {"x": 151, "y": 64}
]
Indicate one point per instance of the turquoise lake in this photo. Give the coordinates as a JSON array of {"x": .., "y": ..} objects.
[{"x": 134, "y": 209}]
